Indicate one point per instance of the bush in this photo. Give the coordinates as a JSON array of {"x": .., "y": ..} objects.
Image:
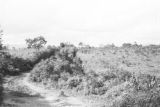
[
  {"x": 93, "y": 86},
  {"x": 73, "y": 82},
  {"x": 2, "y": 57},
  {"x": 144, "y": 92},
  {"x": 51, "y": 66},
  {"x": 60, "y": 61},
  {"x": 1, "y": 88},
  {"x": 125, "y": 100},
  {"x": 13, "y": 65},
  {"x": 44, "y": 54},
  {"x": 68, "y": 52},
  {"x": 116, "y": 73},
  {"x": 151, "y": 99}
]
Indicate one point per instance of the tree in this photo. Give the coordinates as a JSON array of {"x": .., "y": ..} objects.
[
  {"x": 37, "y": 42},
  {"x": 80, "y": 44},
  {"x": 62, "y": 45},
  {"x": 126, "y": 45},
  {"x": 1, "y": 45}
]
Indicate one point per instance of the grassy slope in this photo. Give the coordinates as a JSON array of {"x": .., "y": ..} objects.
[
  {"x": 134, "y": 60},
  {"x": 100, "y": 60}
]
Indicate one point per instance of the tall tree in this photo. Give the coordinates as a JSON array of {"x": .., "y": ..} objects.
[
  {"x": 36, "y": 43},
  {"x": 1, "y": 33}
]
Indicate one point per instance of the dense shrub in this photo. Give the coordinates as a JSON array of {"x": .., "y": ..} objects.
[
  {"x": 10, "y": 65},
  {"x": 1, "y": 87},
  {"x": 45, "y": 69},
  {"x": 151, "y": 99},
  {"x": 68, "y": 53},
  {"x": 6, "y": 65},
  {"x": 73, "y": 82},
  {"x": 2, "y": 55},
  {"x": 44, "y": 54},
  {"x": 53, "y": 66},
  {"x": 1, "y": 73},
  {"x": 145, "y": 93},
  {"x": 125, "y": 100},
  {"x": 59, "y": 65},
  {"x": 115, "y": 73},
  {"x": 21, "y": 65},
  {"x": 93, "y": 85}
]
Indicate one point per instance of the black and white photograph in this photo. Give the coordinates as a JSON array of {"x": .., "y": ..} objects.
[{"x": 79, "y": 53}]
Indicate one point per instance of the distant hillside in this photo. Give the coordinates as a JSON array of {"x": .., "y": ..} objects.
[
  {"x": 134, "y": 58},
  {"x": 16, "y": 46}
]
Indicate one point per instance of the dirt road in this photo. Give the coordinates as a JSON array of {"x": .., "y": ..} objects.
[
  {"x": 52, "y": 97},
  {"x": 45, "y": 98}
]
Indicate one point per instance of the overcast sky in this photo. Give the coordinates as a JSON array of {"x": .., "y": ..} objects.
[{"x": 93, "y": 22}]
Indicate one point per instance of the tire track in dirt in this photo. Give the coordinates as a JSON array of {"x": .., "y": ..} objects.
[{"x": 52, "y": 97}]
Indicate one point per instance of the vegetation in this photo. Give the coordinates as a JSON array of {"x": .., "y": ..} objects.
[
  {"x": 60, "y": 66},
  {"x": 36, "y": 43},
  {"x": 131, "y": 72},
  {"x": 1, "y": 45},
  {"x": 126, "y": 76},
  {"x": 120, "y": 74},
  {"x": 1, "y": 74},
  {"x": 13, "y": 65},
  {"x": 144, "y": 93}
]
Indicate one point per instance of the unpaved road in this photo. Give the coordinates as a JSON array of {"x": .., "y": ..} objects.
[
  {"x": 52, "y": 97},
  {"x": 46, "y": 97}
]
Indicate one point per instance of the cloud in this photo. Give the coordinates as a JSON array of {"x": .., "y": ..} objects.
[{"x": 91, "y": 21}]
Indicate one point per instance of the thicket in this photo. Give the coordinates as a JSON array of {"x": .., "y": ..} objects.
[
  {"x": 145, "y": 92},
  {"x": 10, "y": 65},
  {"x": 44, "y": 54},
  {"x": 1, "y": 75},
  {"x": 1, "y": 80},
  {"x": 58, "y": 66}
]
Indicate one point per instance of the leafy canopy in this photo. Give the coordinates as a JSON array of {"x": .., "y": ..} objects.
[
  {"x": 1, "y": 33},
  {"x": 37, "y": 42}
]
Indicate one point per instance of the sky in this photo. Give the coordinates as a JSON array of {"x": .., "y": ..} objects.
[{"x": 93, "y": 22}]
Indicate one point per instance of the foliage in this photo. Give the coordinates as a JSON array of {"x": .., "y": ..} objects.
[
  {"x": 126, "y": 45},
  {"x": 1, "y": 87},
  {"x": 1, "y": 73},
  {"x": 73, "y": 82},
  {"x": 1, "y": 79},
  {"x": 58, "y": 65},
  {"x": 1, "y": 45},
  {"x": 150, "y": 99},
  {"x": 42, "y": 55},
  {"x": 36, "y": 43},
  {"x": 111, "y": 72},
  {"x": 144, "y": 93},
  {"x": 10, "y": 65}
]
